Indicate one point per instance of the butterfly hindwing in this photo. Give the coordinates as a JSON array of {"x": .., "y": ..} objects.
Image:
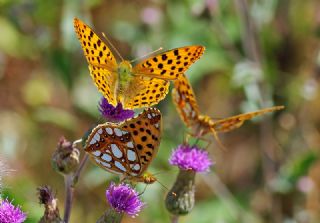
[
  {"x": 145, "y": 92},
  {"x": 170, "y": 64},
  {"x": 126, "y": 148}
]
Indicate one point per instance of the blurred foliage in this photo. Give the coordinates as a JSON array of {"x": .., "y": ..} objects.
[{"x": 271, "y": 170}]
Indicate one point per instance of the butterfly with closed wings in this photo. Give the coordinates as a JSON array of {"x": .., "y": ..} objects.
[
  {"x": 127, "y": 148},
  {"x": 187, "y": 106}
]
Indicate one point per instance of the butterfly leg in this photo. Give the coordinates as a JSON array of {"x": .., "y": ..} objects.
[
  {"x": 215, "y": 135},
  {"x": 199, "y": 137},
  {"x": 143, "y": 190}
]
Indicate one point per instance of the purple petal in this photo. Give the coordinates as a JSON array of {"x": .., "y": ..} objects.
[
  {"x": 11, "y": 214},
  {"x": 123, "y": 198},
  {"x": 190, "y": 158},
  {"x": 114, "y": 114}
]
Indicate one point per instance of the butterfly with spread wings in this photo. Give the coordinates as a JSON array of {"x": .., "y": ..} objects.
[{"x": 143, "y": 85}]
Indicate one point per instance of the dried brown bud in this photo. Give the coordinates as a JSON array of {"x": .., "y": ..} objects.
[
  {"x": 51, "y": 213},
  {"x": 65, "y": 159}
]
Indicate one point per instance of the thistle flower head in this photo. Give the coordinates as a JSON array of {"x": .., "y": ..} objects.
[
  {"x": 188, "y": 157},
  {"x": 11, "y": 214},
  {"x": 123, "y": 198},
  {"x": 114, "y": 114}
]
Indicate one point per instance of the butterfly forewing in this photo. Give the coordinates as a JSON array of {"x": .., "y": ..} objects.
[
  {"x": 170, "y": 64},
  {"x": 105, "y": 81},
  {"x": 96, "y": 51},
  {"x": 233, "y": 122},
  {"x": 185, "y": 101},
  {"x": 146, "y": 133},
  {"x": 126, "y": 148}
]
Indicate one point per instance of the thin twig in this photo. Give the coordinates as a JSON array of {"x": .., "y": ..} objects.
[
  {"x": 226, "y": 197},
  {"x": 253, "y": 52},
  {"x": 222, "y": 35},
  {"x": 249, "y": 35},
  {"x": 225, "y": 41}
]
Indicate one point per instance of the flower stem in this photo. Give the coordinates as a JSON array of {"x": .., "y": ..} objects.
[
  {"x": 70, "y": 182},
  {"x": 175, "y": 219},
  {"x": 110, "y": 216},
  {"x": 76, "y": 175},
  {"x": 69, "y": 197}
]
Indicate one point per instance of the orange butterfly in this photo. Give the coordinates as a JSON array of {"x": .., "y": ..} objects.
[
  {"x": 143, "y": 85},
  {"x": 186, "y": 105},
  {"x": 127, "y": 148}
]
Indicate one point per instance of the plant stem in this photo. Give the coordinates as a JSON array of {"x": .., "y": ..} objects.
[
  {"x": 69, "y": 197},
  {"x": 70, "y": 182},
  {"x": 175, "y": 219},
  {"x": 76, "y": 175}
]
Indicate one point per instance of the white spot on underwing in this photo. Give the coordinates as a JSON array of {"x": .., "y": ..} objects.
[
  {"x": 116, "y": 151},
  {"x": 130, "y": 144},
  {"x": 93, "y": 141},
  {"x": 136, "y": 167},
  {"x": 103, "y": 163},
  {"x": 106, "y": 157},
  {"x": 131, "y": 155},
  {"x": 97, "y": 136},
  {"x": 109, "y": 131},
  {"x": 96, "y": 153},
  {"x": 120, "y": 166},
  {"x": 118, "y": 132}
]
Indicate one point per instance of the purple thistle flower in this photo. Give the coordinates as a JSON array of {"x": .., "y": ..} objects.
[
  {"x": 123, "y": 198},
  {"x": 188, "y": 157},
  {"x": 11, "y": 214},
  {"x": 114, "y": 114}
]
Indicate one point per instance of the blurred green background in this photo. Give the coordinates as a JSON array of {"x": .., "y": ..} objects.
[{"x": 259, "y": 53}]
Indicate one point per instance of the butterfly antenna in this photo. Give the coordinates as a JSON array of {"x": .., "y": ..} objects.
[
  {"x": 146, "y": 55},
  {"x": 113, "y": 47},
  {"x": 166, "y": 189},
  {"x": 161, "y": 172}
]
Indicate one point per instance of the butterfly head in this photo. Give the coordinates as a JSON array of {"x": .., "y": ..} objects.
[
  {"x": 124, "y": 68},
  {"x": 148, "y": 178}
]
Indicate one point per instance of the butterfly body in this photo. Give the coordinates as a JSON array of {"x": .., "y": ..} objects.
[
  {"x": 142, "y": 85},
  {"x": 127, "y": 148},
  {"x": 146, "y": 178}
]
